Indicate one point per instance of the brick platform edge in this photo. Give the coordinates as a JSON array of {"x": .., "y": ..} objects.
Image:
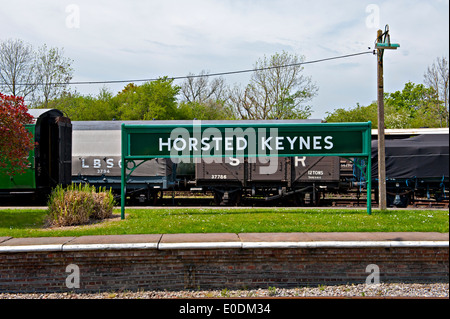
[{"x": 219, "y": 261}]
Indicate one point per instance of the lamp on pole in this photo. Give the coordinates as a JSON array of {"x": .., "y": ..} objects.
[{"x": 383, "y": 42}]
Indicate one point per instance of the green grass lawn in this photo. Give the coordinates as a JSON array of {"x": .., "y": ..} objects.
[{"x": 31, "y": 223}]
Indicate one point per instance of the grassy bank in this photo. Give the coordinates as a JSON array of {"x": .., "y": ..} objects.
[{"x": 31, "y": 223}]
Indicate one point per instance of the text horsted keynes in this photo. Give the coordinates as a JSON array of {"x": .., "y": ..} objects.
[{"x": 240, "y": 143}]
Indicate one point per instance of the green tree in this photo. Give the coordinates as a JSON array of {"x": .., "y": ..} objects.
[
  {"x": 86, "y": 108},
  {"x": 210, "y": 110},
  {"x": 152, "y": 100},
  {"x": 356, "y": 114},
  {"x": 412, "y": 107},
  {"x": 411, "y": 98}
]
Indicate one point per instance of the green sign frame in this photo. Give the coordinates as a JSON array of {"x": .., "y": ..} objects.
[{"x": 231, "y": 139}]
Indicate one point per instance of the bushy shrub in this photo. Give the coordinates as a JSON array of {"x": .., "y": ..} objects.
[
  {"x": 103, "y": 205},
  {"x": 78, "y": 204}
]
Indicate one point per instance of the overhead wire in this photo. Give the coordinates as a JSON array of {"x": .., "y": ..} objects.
[{"x": 209, "y": 74}]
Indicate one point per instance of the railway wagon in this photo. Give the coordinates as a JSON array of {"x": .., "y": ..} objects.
[
  {"x": 416, "y": 167},
  {"x": 50, "y": 160},
  {"x": 96, "y": 160},
  {"x": 293, "y": 177}
]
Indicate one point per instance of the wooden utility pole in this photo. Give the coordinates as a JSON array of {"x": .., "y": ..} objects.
[
  {"x": 381, "y": 141},
  {"x": 383, "y": 42}
]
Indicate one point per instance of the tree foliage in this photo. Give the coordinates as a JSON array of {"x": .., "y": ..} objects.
[
  {"x": 412, "y": 107},
  {"x": 152, "y": 100},
  {"x": 204, "y": 98},
  {"x": 209, "y": 110},
  {"x": 15, "y": 140},
  {"x": 17, "y": 68},
  {"x": 437, "y": 77},
  {"x": 415, "y": 106},
  {"x": 277, "y": 89},
  {"x": 37, "y": 76},
  {"x": 199, "y": 89},
  {"x": 356, "y": 114},
  {"x": 54, "y": 72}
]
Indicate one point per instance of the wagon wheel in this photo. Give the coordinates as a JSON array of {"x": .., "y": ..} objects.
[
  {"x": 227, "y": 198},
  {"x": 299, "y": 199},
  {"x": 234, "y": 198},
  {"x": 154, "y": 196},
  {"x": 218, "y": 197}
]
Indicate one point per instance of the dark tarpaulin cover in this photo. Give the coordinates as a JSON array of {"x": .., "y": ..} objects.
[{"x": 422, "y": 157}]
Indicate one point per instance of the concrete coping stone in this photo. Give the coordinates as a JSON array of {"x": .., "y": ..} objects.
[
  {"x": 200, "y": 241},
  {"x": 43, "y": 244},
  {"x": 347, "y": 236},
  {"x": 108, "y": 242},
  {"x": 2, "y": 239},
  {"x": 224, "y": 241}
]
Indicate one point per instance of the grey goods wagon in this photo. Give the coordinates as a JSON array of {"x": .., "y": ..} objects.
[{"x": 96, "y": 160}]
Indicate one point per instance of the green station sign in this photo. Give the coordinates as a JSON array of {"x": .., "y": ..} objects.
[
  {"x": 202, "y": 140},
  {"x": 181, "y": 142}
]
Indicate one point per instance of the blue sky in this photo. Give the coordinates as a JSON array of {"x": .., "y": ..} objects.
[{"x": 115, "y": 40}]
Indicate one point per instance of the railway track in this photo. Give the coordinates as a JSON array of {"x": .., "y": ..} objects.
[
  {"x": 185, "y": 199},
  {"x": 209, "y": 202}
]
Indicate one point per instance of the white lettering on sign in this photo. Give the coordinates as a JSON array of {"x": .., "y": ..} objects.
[
  {"x": 241, "y": 144},
  {"x": 271, "y": 143}
]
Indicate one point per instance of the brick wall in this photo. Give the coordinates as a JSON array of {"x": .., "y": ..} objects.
[{"x": 133, "y": 269}]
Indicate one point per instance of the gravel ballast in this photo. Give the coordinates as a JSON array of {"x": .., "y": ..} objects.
[{"x": 395, "y": 290}]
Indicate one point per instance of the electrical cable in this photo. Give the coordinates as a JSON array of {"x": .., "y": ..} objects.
[{"x": 208, "y": 75}]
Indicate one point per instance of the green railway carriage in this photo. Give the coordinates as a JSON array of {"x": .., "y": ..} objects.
[{"x": 50, "y": 160}]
